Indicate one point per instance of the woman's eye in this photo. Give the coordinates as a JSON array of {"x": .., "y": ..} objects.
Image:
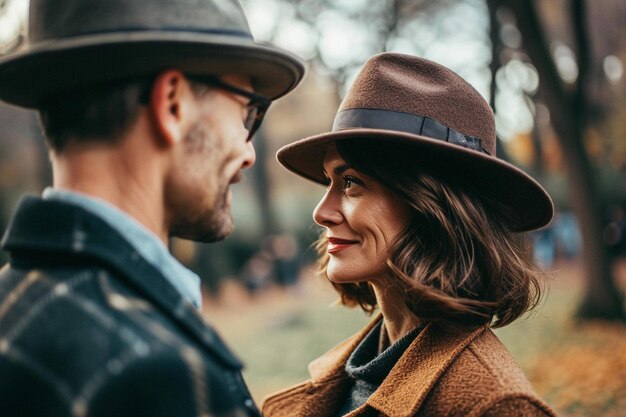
[{"x": 349, "y": 181}]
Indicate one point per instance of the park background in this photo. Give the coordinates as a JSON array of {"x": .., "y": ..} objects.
[{"x": 553, "y": 71}]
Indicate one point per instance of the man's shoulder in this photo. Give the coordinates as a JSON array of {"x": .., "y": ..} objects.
[
  {"x": 83, "y": 306},
  {"x": 53, "y": 227},
  {"x": 89, "y": 308},
  {"x": 70, "y": 251},
  {"x": 71, "y": 328}
]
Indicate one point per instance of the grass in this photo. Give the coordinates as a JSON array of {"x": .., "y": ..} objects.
[{"x": 579, "y": 368}]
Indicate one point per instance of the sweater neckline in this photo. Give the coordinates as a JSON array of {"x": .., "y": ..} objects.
[{"x": 365, "y": 363}]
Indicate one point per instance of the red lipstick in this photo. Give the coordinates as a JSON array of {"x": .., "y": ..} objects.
[{"x": 336, "y": 244}]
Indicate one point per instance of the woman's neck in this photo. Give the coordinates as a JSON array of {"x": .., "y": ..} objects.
[{"x": 398, "y": 319}]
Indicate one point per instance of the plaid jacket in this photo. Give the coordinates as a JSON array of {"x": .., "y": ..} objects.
[{"x": 89, "y": 328}]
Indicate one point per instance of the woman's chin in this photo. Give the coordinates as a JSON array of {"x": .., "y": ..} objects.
[{"x": 344, "y": 278}]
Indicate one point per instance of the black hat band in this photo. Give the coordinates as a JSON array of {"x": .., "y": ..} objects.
[{"x": 404, "y": 122}]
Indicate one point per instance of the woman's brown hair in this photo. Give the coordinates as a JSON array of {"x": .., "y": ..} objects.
[{"x": 456, "y": 259}]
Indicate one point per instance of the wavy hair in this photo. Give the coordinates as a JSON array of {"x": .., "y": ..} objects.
[{"x": 456, "y": 259}]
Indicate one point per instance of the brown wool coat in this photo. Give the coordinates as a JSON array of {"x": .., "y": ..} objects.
[{"x": 446, "y": 371}]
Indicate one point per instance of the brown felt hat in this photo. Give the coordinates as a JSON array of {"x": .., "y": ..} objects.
[
  {"x": 405, "y": 99},
  {"x": 75, "y": 43}
]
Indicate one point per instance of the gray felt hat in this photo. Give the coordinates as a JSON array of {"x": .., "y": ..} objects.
[{"x": 72, "y": 43}]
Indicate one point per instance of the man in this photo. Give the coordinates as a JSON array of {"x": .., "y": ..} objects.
[{"x": 148, "y": 109}]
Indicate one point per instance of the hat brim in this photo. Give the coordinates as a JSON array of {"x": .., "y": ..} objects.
[
  {"x": 46, "y": 69},
  {"x": 526, "y": 203}
]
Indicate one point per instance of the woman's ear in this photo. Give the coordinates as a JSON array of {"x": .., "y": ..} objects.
[{"x": 171, "y": 106}]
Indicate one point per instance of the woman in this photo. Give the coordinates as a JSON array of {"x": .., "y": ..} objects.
[{"x": 420, "y": 220}]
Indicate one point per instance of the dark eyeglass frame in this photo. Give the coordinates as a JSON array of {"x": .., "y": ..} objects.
[{"x": 257, "y": 106}]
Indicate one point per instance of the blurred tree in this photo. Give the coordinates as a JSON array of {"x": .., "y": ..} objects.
[
  {"x": 571, "y": 115},
  {"x": 12, "y": 24},
  {"x": 261, "y": 186},
  {"x": 23, "y": 157},
  {"x": 24, "y": 163}
]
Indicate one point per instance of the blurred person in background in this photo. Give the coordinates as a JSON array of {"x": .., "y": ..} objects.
[
  {"x": 420, "y": 220},
  {"x": 149, "y": 108}
]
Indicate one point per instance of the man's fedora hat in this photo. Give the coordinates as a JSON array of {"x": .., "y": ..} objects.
[
  {"x": 405, "y": 99},
  {"x": 73, "y": 43}
]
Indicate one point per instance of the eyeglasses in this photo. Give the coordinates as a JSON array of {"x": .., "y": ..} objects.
[{"x": 257, "y": 106}]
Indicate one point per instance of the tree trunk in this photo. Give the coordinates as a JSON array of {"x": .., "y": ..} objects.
[
  {"x": 601, "y": 299},
  {"x": 494, "y": 66},
  {"x": 262, "y": 186},
  {"x": 494, "y": 37}
]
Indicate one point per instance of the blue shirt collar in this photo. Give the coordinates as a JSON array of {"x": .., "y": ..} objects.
[{"x": 147, "y": 244}]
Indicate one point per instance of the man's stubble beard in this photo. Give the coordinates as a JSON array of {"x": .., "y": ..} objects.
[
  {"x": 202, "y": 224},
  {"x": 218, "y": 221}
]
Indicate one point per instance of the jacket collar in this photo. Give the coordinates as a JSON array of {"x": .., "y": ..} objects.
[
  {"x": 145, "y": 242},
  {"x": 332, "y": 363},
  {"x": 415, "y": 373},
  {"x": 54, "y": 228}
]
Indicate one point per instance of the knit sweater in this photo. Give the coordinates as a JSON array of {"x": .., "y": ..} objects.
[{"x": 368, "y": 369}]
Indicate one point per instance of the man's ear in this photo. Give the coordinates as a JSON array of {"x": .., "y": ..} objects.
[{"x": 170, "y": 106}]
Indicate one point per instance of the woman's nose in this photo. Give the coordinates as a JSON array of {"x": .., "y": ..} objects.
[{"x": 328, "y": 210}]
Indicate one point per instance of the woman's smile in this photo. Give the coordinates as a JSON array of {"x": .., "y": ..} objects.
[{"x": 336, "y": 244}]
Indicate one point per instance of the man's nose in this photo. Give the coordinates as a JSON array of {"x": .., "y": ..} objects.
[{"x": 249, "y": 156}]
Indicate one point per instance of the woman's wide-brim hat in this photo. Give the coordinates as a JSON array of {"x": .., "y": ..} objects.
[
  {"x": 74, "y": 43},
  {"x": 404, "y": 99}
]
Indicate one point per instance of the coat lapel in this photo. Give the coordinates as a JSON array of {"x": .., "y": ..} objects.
[
  {"x": 56, "y": 228},
  {"x": 320, "y": 396},
  {"x": 332, "y": 363},
  {"x": 422, "y": 365}
]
